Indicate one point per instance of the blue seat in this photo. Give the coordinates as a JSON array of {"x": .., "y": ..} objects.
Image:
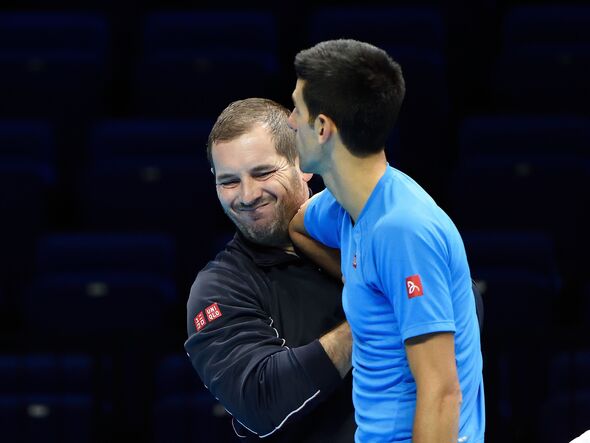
[
  {"x": 518, "y": 303},
  {"x": 564, "y": 416},
  {"x": 228, "y": 29},
  {"x": 549, "y": 24},
  {"x": 164, "y": 195},
  {"x": 75, "y": 307},
  {"x": 26, "y": 141},
  {"x": 586, "y": 301},
  {"x": 533, "y": 251},
  {"x": 516, "y": 381},
  {"x": 149, "y": 141},
  {"x": 101, "y": 285},
  {"x": 542, "y": 79},
  {"x": 46, "y": 374},
  {"x": 189, "y": 418},
  {"x": 416, "y": 27},
  {"x": 144, "y": 174},
  {"x": 54, "y": 31},
  {"x": 524, "y": 136},
  {"x": 100, "y": 252},
  {"x": 47, "y": 418},
  {"x": 545, "y": 60},
  {"x": 47, "y": 397},
  {"x": 53, "y": 65},
  {"x": 195, "y": 64},
  {"x": 508, "y": 192},
  {"x": 27, "y": 209},
  {"x": 568, "y": 372},
  {"x": 25, "y": 192},
  {"x": 201, "y": 83},
  {"x": 179, "y": 394},
  {"x": 509, "y": 164}
]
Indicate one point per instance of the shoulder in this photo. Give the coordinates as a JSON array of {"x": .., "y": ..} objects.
[
  {"x": 400, "y": 221},
  {"x": 409, "y": 230},
  {"x": 231, "y": 275}
]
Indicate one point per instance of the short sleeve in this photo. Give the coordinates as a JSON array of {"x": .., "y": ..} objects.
[
  {"x": 323, "y": 218},
  {"x": 412, "y": 267}
]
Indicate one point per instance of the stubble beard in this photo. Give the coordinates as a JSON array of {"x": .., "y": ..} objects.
[
  {"x": 272, "y": 233},
  {"x": 275, "y": 232}
]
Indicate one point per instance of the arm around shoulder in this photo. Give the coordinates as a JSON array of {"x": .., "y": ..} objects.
[
  {"x": 338, "y": 346},
  {"x": 244, "y": 363},
  {"x": 326, "y": 257}
]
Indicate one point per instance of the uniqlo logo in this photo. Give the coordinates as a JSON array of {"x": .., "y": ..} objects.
[
  {"x": 213, "y": 312},
  {"x": 414, "y": 286},
  {"x": 200, "y": 321}
]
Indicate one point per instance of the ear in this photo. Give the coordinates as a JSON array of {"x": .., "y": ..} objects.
[
  {"x": 307, "y": 176},
  {"x": 324, "y": 127}
]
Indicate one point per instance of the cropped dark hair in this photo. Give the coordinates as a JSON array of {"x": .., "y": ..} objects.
[
  {"x": 240, "y": 116},
  {"x": 358, "y": 86}
]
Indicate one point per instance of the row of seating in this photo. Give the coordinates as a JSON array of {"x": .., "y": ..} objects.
[
  {"x": 419, "y": 27},
  {"x": 71, "y": 398},
  {"x": 105, "y": 221},
  {"x": 511, "y": 172},
  {"x": 63, "y": 398},
  {"x": 94, "y": 288},
  {"x": 58, "y": 65},
  {"x": 523, "y": 136}
]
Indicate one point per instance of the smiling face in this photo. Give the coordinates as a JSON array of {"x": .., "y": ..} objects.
[{"x": 258, "y": 189}]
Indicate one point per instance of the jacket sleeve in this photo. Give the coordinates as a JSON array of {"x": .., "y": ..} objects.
[{"x": 242, "y": 359}]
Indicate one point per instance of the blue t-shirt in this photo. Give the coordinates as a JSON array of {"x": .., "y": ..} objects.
[{"x": 406, "y": 275}]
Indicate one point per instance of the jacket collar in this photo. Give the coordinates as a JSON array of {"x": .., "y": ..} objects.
[{"x": 264, "y": 256}]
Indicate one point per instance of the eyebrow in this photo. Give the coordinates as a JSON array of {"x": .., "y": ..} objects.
[{"x": 254, "y": 170}]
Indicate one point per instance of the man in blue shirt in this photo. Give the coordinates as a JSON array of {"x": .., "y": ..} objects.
[{"x": 408, "y": 295}]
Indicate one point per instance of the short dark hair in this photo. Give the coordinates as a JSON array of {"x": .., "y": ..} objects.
[
  {"x": 358, "y": 86},
  {"x": 240, "y": 116}
]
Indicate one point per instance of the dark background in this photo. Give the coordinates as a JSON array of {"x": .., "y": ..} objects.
[{"x": 108, "y": 210}]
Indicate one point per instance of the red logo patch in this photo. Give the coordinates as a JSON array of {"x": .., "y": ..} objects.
[
  {"x": 200, "y": 321},
  {"x": 414, "y": 286},
  {"x": 213, "y": 312}
]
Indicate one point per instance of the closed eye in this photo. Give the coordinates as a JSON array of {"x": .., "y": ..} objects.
[
  {"x": 228, "y": 183},
  {"x": 264, "y": 174}
]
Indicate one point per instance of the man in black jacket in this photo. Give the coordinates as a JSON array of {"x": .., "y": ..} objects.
[{"x": 266, "y": 330}]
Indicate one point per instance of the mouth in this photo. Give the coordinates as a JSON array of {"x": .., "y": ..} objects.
[{"x": 253, "y": 209}]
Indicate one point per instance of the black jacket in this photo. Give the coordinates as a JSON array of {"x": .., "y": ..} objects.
[{"x": 254, "y": 317}]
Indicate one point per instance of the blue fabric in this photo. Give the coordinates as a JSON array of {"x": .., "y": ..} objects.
[{"x": 401, "y": 233}]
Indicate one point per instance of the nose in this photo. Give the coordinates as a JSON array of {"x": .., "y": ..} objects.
[
  {"x": 250, "y": 192},
  {"x": 291, "y": 121}
]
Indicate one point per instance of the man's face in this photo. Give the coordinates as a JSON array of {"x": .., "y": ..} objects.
[
  {"x": 307, "y": 143},
  {"x": 258, "y": 189}
]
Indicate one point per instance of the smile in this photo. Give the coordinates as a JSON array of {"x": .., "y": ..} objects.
[{"x": 253, "y": 209}]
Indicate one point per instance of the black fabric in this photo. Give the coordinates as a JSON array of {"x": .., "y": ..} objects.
[
  {"x": 478, "y": 304},
  {"x": 261, "y": 357}
]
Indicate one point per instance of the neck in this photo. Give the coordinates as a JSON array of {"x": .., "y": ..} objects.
[{"x": 352, "y": 179}]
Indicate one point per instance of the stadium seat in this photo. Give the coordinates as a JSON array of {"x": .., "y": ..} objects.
[
  {"x": 52, "y": 419},
  {"x": 101, "y": 252},
  {"x": 54, "y": 65},
  {"x": 195, "y": 64}
]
